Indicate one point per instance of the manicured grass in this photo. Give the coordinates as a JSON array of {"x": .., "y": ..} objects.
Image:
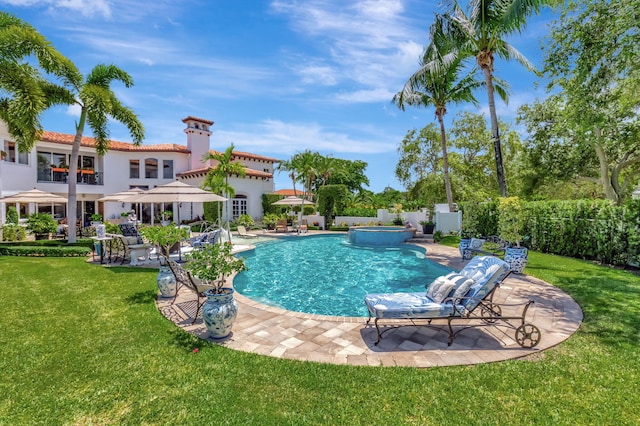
[{"x": 83, "y": 344}]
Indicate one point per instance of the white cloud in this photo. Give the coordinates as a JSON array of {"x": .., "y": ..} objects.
[
  {"x": 368, "y": 43},
  {"x": 85, "y": 7},
  {"x": 286, "y": 139}
]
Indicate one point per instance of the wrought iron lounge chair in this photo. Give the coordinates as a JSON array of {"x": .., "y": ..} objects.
[
  {"x": 463, "y": 299},
  {"x": 184, "y": 279}
]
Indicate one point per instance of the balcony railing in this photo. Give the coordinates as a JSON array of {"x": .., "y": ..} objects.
[{"x": 60, "y": 175}]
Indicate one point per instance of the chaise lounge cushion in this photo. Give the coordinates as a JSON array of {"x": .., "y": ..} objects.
[
  {"x": 407, "y": 305},
  {"x": 484, "y": 271},
  {"x": 440, "y": 288}
]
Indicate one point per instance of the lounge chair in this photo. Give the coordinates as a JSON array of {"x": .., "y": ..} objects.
[
  {"x": 242, "y": 232},
  {"x": 464, "y": 298},
  {"x": 282, "y": 225},
  {"x": 184, "y": 279},
  {"x": 304, "y": 227},
  {"x": 201, "y": 240}
]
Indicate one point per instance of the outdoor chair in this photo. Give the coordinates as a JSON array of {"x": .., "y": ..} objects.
[
  {"x": 304, "y": 227},
  {"x": 463, "y": 299},
  {"x": 242, "y": 232},
  {"x": 201, "y": 240},
  {"x": 489, "y": 246},
  {"x": 130, "y": 248},
  {"x": 184, "y": 279},
  {"x": 281, "y": 225}
]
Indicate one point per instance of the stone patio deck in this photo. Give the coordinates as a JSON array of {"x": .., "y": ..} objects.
[{"x": 279, "y": 333}]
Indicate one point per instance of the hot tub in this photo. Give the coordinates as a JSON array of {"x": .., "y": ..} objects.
[{"x": 379, "y": 235}]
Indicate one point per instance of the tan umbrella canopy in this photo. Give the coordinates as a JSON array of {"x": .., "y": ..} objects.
[
  {"x": 121, "y": 196},
  {"x": 175, "y": 192},
  {"x": 34, "y": 196},
  {"x": 293, "y": 201}
]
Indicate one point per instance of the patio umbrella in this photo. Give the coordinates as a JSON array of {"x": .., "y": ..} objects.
[
  {"x": 175, "y": 192},
  {"x": 292, "y": 200},
  {"x": 34, "y": 196},
  {"x": 121, "y": 196}
]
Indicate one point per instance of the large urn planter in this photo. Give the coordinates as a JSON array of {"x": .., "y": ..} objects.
[
  {"x": 166, "y": 282},
  {"x": 517, "y": 258},
  {"x": 463, "y": 247},
  {"x": 219, "y": 312}
]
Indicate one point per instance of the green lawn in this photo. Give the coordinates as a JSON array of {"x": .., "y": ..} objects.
[{"x": 83, "y": 344}]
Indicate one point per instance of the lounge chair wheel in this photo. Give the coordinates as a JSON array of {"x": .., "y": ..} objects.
[
  {"x": 490, "y": 312},
  {"x": 528, "y": 335}
]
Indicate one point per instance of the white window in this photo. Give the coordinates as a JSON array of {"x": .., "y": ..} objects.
[{"x": 11, "y": 154}]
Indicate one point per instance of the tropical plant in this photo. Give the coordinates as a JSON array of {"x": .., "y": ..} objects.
[
  {"x": 164, "y": 236},
  {"x": 42, "y": 223},
  {"x": 98, "y": 104},
  {"x": 482, "y": 33},
  {"x": 12, "y": 216},
  {"x": 438, "y": 83},
  {"x": 24, "y": 92},
  {"x": 96, "y": 217},
  {"x": 11, "y": 232},
  {"x": 213, "y": 263},
  {"x": 511, "y": 220},
  {"x": 245, "y": 220},
  {"x": 224, "y": 168}
]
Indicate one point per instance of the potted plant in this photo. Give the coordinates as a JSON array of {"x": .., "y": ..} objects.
[
  {"x": 96, "y": 219},
  {"x": 511, "y": 223},
  {"x": 42, "y": 224},
  {"x": 212, "y": 265},
  {"x": 270, "y": 220},
  {"x": 397, "y": 209},
  {"x": 428, "y": 226},
  {"x": 164, "y": 237}
]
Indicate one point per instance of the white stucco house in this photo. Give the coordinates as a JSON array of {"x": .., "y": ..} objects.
[{"x": 124, "y": 167}]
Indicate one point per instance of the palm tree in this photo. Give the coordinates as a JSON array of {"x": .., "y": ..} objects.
[
  {"x": 24, "y": 92},
  {"x": 225, "y": 168},
  {"x": 286, "y": 166},
  {"x": 97, "y": 104},
  {"x": 436, "y": 84},
  {"x": 482, "y": 34}
]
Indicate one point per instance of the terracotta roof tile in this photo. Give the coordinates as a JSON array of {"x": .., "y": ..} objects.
[
  {"x": 202, "y": 120},
  {"x": 205, "y": 170},
  {"x": 241, "y": 154},
  {"x": 66, "y": 139}
]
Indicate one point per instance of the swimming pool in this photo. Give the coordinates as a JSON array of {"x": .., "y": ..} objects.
[{"x": 326, "y": 275}]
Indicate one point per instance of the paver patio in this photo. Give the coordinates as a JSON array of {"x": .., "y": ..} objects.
[{"x": 276, "y": 332}]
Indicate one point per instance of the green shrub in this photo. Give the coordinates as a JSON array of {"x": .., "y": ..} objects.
[
  {"x": 339, "y": 228},
  {"x": 245, "y": 220},
  {"x": 42, "y": 223},
  {"x": 13, "y": 233},
  {"x": 55, "y": 251},
  {"x": 360, "y": 212},
  {"x": 12, "y": 215}
]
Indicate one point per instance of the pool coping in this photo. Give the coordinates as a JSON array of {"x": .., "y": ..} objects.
[{"x": 276, "y": 332}]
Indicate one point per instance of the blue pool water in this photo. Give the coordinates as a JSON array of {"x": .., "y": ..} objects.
[{"x": 328, "y": 276}]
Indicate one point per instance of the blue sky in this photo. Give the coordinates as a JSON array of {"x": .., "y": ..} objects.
[{"x": 276, "y": 76}]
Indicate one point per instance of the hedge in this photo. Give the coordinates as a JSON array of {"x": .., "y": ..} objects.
[
  {"x": 59, "y": 251},
  {"x": 586, "y": 229}
]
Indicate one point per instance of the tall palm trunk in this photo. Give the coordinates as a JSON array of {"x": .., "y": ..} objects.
[
  {"x": 72, "y": 195},
  {"x": 445, "y": 158},
  {"x": 495, "y": 132}
]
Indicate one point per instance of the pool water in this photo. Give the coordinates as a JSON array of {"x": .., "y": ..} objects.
[{"x": 326, "y": 275}]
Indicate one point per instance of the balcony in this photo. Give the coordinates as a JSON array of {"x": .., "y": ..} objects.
[{"x": 61, "y": 175}]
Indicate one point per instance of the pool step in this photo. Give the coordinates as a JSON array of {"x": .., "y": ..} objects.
[{"x": 421, "y": 238}]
